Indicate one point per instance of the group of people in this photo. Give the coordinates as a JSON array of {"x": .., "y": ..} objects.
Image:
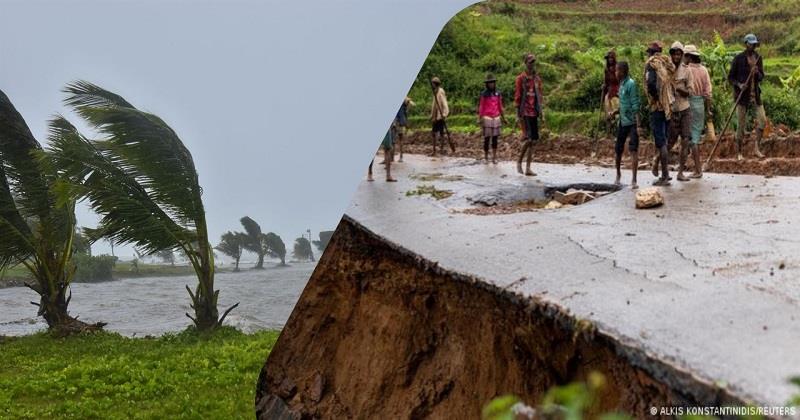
[{"x": 678, "y": 90}]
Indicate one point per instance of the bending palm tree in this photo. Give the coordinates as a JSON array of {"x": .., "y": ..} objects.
[
  {"x": 36, "y": 230},
  {"x": 141, "y": 180},
  {"x": 254, "y": 239}
]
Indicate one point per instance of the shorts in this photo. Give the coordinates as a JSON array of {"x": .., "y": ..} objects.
[
  {"x": 438, "y": 127},
  {"x": 491, "y": 126},
  {"x": 680, "y": 125},
  {"x": 698, "y": 107},
  {"x": 531, "y": 127},
  {"x": 622, "y": 134}
]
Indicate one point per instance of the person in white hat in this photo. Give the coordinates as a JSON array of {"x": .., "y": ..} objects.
[
  {"x": 746, "y": 74},
  {"x": 680, "y": 121},
  {"x": 699, "y": 102}
]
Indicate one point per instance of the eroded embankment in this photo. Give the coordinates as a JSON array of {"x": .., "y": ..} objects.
[
  {"x": 382, "y": 333},
  {"x": 782, "y": 152}
]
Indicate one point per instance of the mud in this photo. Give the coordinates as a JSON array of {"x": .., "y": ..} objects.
[
  {"x": 380, "y": 332},
  {"x": 782, "y": 152}
]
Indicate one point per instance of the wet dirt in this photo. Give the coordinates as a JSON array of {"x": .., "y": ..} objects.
[
  {"x": 782, "y": 152},
  {"x": 414, "y": 340}
]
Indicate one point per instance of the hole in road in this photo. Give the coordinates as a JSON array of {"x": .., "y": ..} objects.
[{"x": 515, "y": 199}]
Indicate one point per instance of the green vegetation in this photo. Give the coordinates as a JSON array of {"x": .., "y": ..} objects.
[
  {"x": 573, "y": 401},
  {"x": 302, "y": 250},
  {"x": 430, "y": 190},
  {"x": 571, "y": 38},
  {"x": 232, "y": 245},
  {"x": 107, "y": 376}
]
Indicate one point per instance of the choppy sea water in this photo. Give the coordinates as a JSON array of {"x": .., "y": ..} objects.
[{"x": 155, "y": 305}]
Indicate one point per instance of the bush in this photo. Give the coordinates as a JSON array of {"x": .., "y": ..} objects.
[
  {"x": 781, "y": 105},
  {"x": 92, "y": 269}
]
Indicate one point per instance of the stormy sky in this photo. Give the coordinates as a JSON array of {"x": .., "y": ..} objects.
[{"x": 281, "y": 103}]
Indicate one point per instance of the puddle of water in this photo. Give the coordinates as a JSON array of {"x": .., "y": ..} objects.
[{"x": 530, "y": 197}]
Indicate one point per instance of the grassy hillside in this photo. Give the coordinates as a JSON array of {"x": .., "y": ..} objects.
[{"x": 571, "y": 38}]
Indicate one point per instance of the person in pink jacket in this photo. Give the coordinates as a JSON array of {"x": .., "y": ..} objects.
[{"x": 490, "y": 117}]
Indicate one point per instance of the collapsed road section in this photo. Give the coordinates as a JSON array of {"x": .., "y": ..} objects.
[{"x": 420, "y": 309}]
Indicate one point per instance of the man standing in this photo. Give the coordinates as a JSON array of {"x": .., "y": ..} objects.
[
  {"x": 439, "y": 113},
  {"x": 658, "y": 73},
  {"x": 628, "y": 122},
  {"x": 746, "y": 74},
  {"x": 529, "y": 103},
  {"x": 699, "y": 102},
  {"x": 611, "y": 84},
  {"x": 680, "y": 124},
  {"x": 401, "y": 123},
  {"x": 388, "y": 149}
]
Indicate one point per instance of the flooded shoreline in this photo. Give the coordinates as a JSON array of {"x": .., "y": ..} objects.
[{"x": 137, "y": 307}]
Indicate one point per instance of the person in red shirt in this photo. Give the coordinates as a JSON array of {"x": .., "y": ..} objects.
[
  {"x": 529, "y": 103},
  {"x": 490, "y": 116}
]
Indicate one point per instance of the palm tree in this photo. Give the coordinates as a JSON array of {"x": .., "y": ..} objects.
[
  {"x": 141, "y": 179},
  {"x": 275, "y": 247},
  {"x": 302, "y": 249},
  {"x": 232, "y": 245},
  {"x": 37, "y": 229},
  {"x": 254, "y": 241},
  {"x": 324, "y": 238}
]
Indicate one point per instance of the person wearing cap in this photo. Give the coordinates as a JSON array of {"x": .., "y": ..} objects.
[
  {"x": 680, "y": 123},
  {"x": 439, "y": 113},
  {"x": 610, "y": 95},
  {"x": 699, "y": 103},
  {"x": 401, "y": 124},
  {"x": 746, "y": 74},
  {"x": 529, "y": 103},
  {"x": 658, "y": 72},
  {"x": 628, "y": 122},
  {"x": 490, "y": 116}
]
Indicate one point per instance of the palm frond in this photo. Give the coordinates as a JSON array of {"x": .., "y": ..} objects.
[
  {"x": 144, "y": 147},
  {"x": 253, "y": 231},
  {"x": 128, "y": 212},
  {"x": 29, "y": 187}
]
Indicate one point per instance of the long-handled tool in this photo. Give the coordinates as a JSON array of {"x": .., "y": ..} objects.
[
  {"x": 707, "y": 164},
  {"x": 597, "y": 128},
  {"x": 444, "y": 122}
]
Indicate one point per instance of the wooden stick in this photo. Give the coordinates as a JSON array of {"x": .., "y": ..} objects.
[{"x": 725, "y": 126}]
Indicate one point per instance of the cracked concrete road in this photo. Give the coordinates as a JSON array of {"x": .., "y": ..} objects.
[{"x": 709, "y": 283}]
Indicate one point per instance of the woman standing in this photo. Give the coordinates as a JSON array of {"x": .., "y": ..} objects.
[{"x": 490, "y": 117}]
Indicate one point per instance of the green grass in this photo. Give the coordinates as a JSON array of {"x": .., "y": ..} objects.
[{"x": 107, "y": 376}]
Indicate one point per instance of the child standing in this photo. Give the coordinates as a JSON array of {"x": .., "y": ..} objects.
[{"x": 490, "y": 116}]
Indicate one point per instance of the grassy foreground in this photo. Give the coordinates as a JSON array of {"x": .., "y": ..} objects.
[{"x": 107, "y": 376}]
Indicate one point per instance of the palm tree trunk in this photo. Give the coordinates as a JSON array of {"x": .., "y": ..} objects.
[
  {"x": 53, "y": 307},
  {"x": 260, "y": 263}
]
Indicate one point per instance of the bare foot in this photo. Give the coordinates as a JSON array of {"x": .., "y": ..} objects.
[
  {"x": 655, "y": 170},
  {"x": 634, "y": 185},
  {"x": 389, "y": 179},
  {"x": 370, "y": 178},
  {"x": 529, "y": 172},
  {"x": 682, "y": 178},
  {"x": 661, "y": 182},
  {"x": 759, "y": 154},
  {"x": 617, "y": 180},
  {"x": 696, "y": 175},
  {"x": 401, "y": 160},
  {"x": 519, "y": 167},
  {"x": 739, "y": 157}
]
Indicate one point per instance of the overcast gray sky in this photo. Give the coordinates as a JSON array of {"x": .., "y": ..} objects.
[{"x": 282, "y": 103}]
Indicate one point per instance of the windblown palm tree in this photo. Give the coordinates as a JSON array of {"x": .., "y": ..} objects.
[
  {"x": 141, "y": 179},
  {"x": 302, "y": 249},
  {"x": 232, "y": 245},
  {"x": 275, "y": 247},
  {"x": 255, "y": 240},
  {"x": 37, "y": 230}
]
